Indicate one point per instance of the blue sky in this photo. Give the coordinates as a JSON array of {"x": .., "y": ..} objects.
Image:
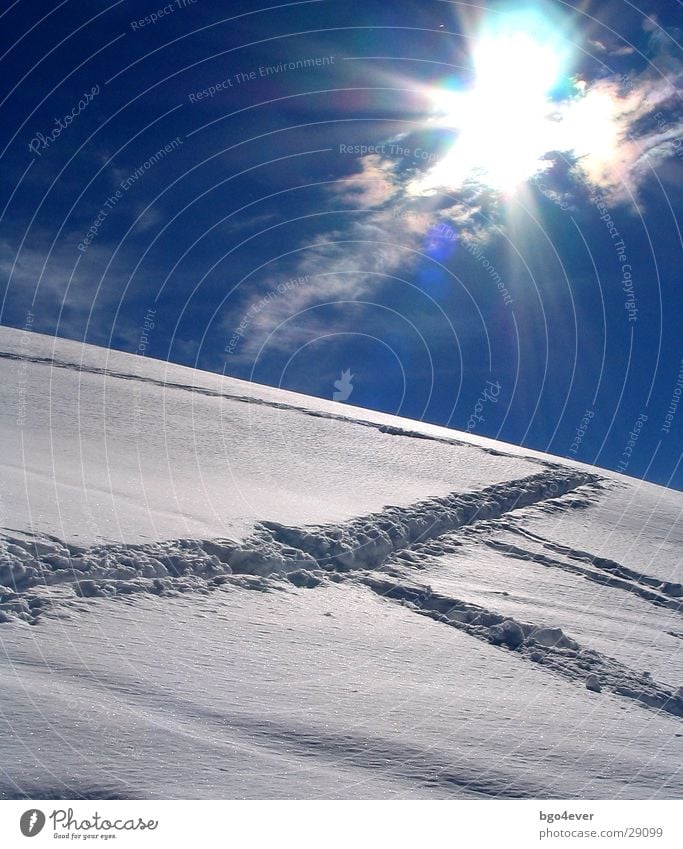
[{"x": 470, "y": 210}]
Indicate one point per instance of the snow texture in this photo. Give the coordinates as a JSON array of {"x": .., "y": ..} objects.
[{"x": 145, "y": 504}]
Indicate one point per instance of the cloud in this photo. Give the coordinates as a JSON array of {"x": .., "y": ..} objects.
[
  {"x": 608, "y": 135},
  {"x": 616, "y": 129},
  {"x": 632, "y": 122},
  {"x": 620, "y": 129},
  {"x": 62, "y": 291},
  {"x": 611, "y": 49},
  {"x": 386, "y": 234},
  {"x": 651, "y": 23},
  {"x": 372, "y": 186}
]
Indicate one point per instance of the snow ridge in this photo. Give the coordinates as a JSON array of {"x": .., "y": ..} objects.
[
  {"x": 369, "y": 541},
  {"x": 40, "y": 575},
  {"x": 273, "y": 549}
]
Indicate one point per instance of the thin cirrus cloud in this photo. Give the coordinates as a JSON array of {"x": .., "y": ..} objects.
[
  {"x": 621, "y": 130},
  {"x": 615, "y": 131},
  {"x": 60, "y": 292},
  {"x": 382, "y": 236}
]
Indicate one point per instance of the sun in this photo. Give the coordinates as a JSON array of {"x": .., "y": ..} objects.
[{"x": 505, "y": 120}]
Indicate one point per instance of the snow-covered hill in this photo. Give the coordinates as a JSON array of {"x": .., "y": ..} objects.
[{"x": 215, "y": 589}]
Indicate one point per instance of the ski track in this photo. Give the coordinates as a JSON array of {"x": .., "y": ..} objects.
[
  {"x": 611, "y": 577},
  {"x": 42, "y": 575}
]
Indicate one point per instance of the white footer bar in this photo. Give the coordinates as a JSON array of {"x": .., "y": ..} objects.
[{"x": 355, "y": 824}]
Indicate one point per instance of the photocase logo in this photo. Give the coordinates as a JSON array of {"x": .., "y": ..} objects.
[
  {"x": 490, "y": 394},
  {"x": 343, "y": 386},
  {"x": 32, "y": 822}
]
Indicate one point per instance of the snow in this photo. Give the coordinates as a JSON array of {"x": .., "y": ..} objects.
[
  {"x": 249, "y": 694},
  {"x": 104, "y": 446},
  {"x": 215, "y": 589}
]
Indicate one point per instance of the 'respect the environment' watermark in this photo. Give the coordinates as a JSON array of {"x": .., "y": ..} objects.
[
  {"x": 41, "y": 142},
  {"x": 163, "y": 12},
  {"x": 242, "y": 77},
  {"x": 124, "y": 186},
  {"x": 472, "y": 248},
  {"x": 444, "y": 231},
  {"x": 675, "y": 400}
]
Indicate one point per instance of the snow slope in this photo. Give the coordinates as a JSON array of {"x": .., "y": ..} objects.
[
  {"x": 215, "y": 589},
  {"x": 103, "y": 446}
]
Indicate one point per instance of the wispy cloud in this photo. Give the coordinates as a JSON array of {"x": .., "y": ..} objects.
[
  {"x": 63, "y": 291},
  {"x": 384, "y": 234},
  {"x": 611, "y": 50},
  {"x": 609, "y": 134},
  {"x": 374, "y": 185},
  {"x": 620, "y": 130}
]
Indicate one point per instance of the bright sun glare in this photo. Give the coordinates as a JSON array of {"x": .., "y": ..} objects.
[{"x": 506, "y": 122}]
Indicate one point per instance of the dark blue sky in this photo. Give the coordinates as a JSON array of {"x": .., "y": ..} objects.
[{"x": 267, "y": 187}]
